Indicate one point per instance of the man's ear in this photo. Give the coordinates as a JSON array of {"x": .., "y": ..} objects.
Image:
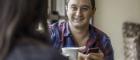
[
  {"x": 66, "y": 8},
  {"x": 93, "y": 11}
]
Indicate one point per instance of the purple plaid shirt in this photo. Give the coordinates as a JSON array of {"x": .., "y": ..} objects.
[{"x": 62, "y": 37}]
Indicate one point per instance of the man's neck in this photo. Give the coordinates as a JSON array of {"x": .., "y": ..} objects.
[
  {"x": 79, "y": 30},
  {"x": 80, "y": 34}
]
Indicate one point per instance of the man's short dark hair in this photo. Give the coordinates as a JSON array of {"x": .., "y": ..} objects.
[{"x": 92, "y": 3}]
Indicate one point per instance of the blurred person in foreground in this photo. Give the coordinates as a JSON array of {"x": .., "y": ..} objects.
[
  {"x": 19, "y": 37},
  {"x": 77, "y": 32}
]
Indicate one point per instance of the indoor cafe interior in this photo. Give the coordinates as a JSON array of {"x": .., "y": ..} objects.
[
  {"x": 119, "y": 19},
  {"x": 69, "y": 29}
]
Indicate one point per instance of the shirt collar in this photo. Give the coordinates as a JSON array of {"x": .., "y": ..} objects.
[
  {"x": 68, "y": 33},
  {"x": 66, "y": 30},
  {"x": 92, "y": 32}
]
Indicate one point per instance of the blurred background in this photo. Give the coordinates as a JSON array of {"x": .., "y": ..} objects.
[{"x": 110, "y": 16}]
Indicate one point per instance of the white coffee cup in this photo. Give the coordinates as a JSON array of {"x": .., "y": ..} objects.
[{"x": 70, "y": 52}]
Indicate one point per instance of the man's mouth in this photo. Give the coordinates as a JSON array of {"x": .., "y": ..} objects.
[{"x": 78, "y": 20}]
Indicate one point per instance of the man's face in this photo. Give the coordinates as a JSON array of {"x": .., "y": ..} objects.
[{"x": 79, "y": 12}]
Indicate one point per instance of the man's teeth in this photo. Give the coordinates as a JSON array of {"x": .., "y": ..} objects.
[{"x": 76, "y": 20}]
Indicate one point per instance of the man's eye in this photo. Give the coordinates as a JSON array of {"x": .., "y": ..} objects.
[
  {"x": 84, "y": 9},
  {"x": 74, "y": 8}
]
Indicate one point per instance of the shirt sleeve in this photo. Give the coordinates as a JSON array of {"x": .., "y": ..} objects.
[
  {"x": 55, "y": 36},
  {"x": 107, "y": 48}
]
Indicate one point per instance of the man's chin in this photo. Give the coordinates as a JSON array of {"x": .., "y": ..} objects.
[{"x": 78, "y": 25}]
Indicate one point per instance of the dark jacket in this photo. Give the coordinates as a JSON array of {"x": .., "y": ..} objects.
[{"x": 33, "y": 50}]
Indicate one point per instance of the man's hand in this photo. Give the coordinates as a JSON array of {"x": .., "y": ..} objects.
[{"x": 91, "y": 56}]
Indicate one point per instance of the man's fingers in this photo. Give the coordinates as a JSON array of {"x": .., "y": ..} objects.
[
  {"x": 96, "y": 56},
  {"x": 91, "y": 56},
  {"x": 81, "y": 56}
]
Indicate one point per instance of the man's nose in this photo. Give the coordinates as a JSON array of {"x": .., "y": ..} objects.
[{"x": 78, "y": 13}]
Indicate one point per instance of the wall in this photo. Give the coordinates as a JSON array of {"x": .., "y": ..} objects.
[
  {"x": 110, "y": 15},
  {"x": 60, "y": 7}
]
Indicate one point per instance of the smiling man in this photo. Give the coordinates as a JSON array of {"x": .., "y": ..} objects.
[{"x": 77, "y": 32}]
